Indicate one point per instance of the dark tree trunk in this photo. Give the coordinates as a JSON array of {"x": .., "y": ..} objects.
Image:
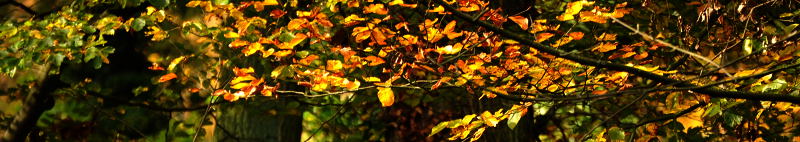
[{"x": 259, "y": 120}]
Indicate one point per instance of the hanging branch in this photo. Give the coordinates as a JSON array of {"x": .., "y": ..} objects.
[{"x": 711, "y": 91}]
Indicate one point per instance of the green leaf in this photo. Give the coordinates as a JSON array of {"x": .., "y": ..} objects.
[
  {"x": 159, "y": 3},
  {"x": 138, "y": 24},
  {"x": 513, "y": 119},
  {"x": 713, "y": 110},
  {"x": 439, "y": 127},
  {"x": 616, "y": 134},
  {"x": 747, "y": 46}
]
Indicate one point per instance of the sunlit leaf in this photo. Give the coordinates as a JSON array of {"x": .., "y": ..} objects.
[
  {"x": 167, "y": 77},
  {"x": 489, "y": 119},
  {"x": 374, "y": 61},
  {"x": 385, "y": 96},
  {"x": 521, "y": 21},
  {"x": 604, "y": 47}
]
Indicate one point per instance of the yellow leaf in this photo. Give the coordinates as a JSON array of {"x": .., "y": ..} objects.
[
  {"x": 250, "y": 50},
  {"x": 238, "y": 79},
  {"x": 489, "y": 119},
  {"x": 270, "y": 2},
  {"x": 333, "y": 65},
  {"x": 748, "y": 72},
  {"x": 521, "y": 21},
  {"x": 691, "y": 120},
  {"x": 450, "y": 49},
  {"x": 291, "y": 44},
  {"x": 572, "y": 9},
  {"x": 372, "y": 79},
  {"x": 282, "y": 53},
  {"x": 385, "y": 96},
  {"x": 401, "y": 3},
  {"x": 605, "y": 47},
  {"x": 276, "y": 72},
  {"x": 239, "y": 85},
  {"x": 175, "y": 62},
  {"x": 231, "y": 35}
]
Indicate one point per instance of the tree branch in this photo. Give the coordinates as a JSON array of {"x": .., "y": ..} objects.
[
  {"x": 21, "y": 6},
  {"x": 711, "y": 91},
  {"x": 670, "y": 116}
]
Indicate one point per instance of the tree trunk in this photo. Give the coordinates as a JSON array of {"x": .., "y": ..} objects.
[{"x": 259, "y": 120}]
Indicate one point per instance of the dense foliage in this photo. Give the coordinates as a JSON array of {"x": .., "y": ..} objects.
[{"x": 400, "y": 70}]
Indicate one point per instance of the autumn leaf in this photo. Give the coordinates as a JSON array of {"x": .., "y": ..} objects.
[
  {"x": 167, "y": 77},
  {"x": 299, "y": 37},
  {"x": 543, "y": 36},
  {"x": 250, "y": 50},
  {"x": 175, "y": 63},
  {"x": 605, "y": 47},
  {"x": 521, "y": 21},
  {"x": 489, "y": 119},
  {"x": 376, "y": 8},
  {"x": 231, "y": 35},
  {"x": 238, "y": 43},
  {"x": 572, "y": 9},
  {"x": 691, "y": 120},
  {"x": 374, "y": 61},
  {"x": 576, "y": 35},
  {"x": 372, "y": 79},
  {"x": 296, "y": 24},
  {"x": 450, "y": 49},
  {"x": 270, "y": 2},
  {"x": 385, "y": 96},
  {"x": 403, "y": 4},
  {"x": 334, "y": 65}
]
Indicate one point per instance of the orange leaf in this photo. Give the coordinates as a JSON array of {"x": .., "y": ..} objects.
[
  {"x": 167, "y": 77},
  {"x": 576, "y": 35},
  {"x": 385, "y": 96},
  {"x": 299, "y": 37},
  {"x": 238, "y": 43},
  {"x": 543, "y": 36},
  {"x": 439, "y": 83},
  {"x": 376, "y": 8},
  {"x": 605, "y": 47},
  {"x": 640, "y": 56},
  {"x": 521, "y": 21},
  {"x": 374, "y": 61},
  {"x": 296, "y": 24}
]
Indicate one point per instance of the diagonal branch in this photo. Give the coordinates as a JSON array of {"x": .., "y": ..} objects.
[
  {"x": 711, "y": 91},
  {"x": 20, "y": 5},
  {"x": 648, "y": 37}
]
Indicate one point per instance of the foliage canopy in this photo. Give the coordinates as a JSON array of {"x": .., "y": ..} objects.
[{"x": 408, "y": 70}]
